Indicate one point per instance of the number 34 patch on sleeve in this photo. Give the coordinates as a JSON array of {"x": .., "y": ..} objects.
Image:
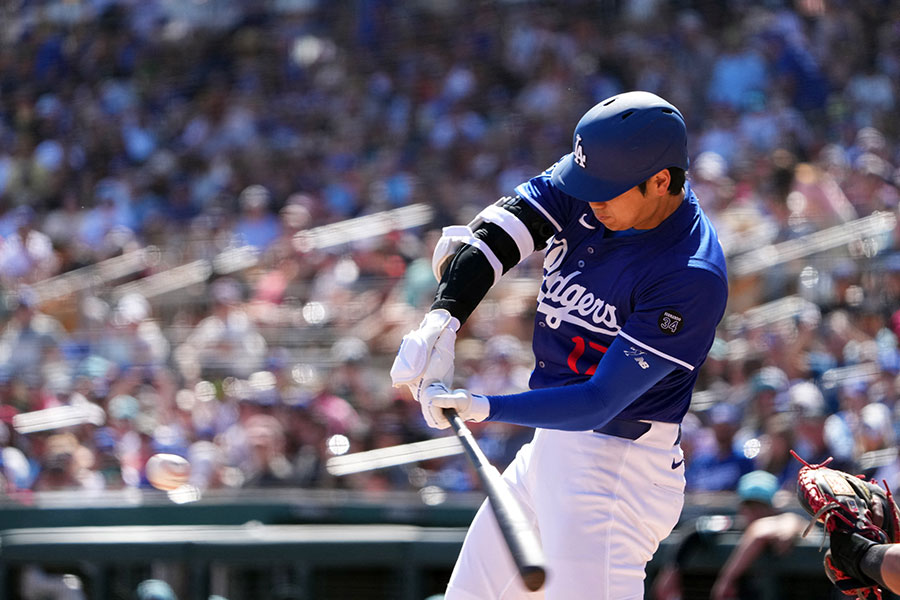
[{"x": 670, "y": 322}]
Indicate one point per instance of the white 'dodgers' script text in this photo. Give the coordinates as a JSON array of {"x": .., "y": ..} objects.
[{"x": 576, "y": 305}]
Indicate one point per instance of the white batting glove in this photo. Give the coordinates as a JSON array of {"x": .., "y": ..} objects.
[
  {"x": 471, "y": 407},
  {"x": 426, "y": 354}
]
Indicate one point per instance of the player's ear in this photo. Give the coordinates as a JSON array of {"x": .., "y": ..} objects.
[{"x": 659, "y": 182}]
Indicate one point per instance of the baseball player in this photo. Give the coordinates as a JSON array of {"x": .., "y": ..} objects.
[{"x": 633, "y": 287}]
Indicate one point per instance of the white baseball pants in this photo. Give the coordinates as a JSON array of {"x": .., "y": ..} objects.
[{"x": 601, "y": 505}]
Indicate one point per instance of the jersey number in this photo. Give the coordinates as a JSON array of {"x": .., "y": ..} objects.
[{"x": 578, "y": 351}]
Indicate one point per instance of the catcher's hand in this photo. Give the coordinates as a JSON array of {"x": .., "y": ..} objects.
[
  {"x": 842, "y": 562},
  {"x": 856, "y": 514}
]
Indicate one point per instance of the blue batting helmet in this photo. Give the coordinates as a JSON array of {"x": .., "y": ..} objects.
[{"x": 621, "y": 142}]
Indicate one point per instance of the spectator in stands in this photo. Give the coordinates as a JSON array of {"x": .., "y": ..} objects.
[
  {"x": 843, "y": 429},
  {"x": 353, "y": 376},
  {"x": 256, "y": 226},
  {"x": 107, "y": 225},
  {"x": 37, "y": 584},
  {"x": 765, "y": 528},
  {"x": 775, "y": 444},
  {"x": 28, "y": 338},
  {"x": 134, "y": 338},
  {"x": 807, "y": 406},
  {"x": 876, "y": 436},
  {"x": 108, "y": 464},
  {"x": 155, "y": 589},
  {"x": 268, "y": 466},
  {"x": 66, "y": 465},
  {"x": 722, "y": 466},
  {"x": 501, "y": 370},
  {"x": 26, "y": 254},
  {"x": 224, "y": 343},
  {"x": 762, "y": 404},
  {"x": 739, "y": 71}
]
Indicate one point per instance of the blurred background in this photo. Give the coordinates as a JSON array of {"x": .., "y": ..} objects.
[{"x": 216, "y": 223}]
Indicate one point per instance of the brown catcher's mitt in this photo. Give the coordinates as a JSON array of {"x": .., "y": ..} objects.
[{"x": 847, "y": 504}]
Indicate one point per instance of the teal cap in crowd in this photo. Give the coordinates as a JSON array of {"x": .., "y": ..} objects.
[{"x": 757, "y": 486}]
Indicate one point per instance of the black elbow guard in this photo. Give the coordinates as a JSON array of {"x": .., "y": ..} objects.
[{"x": 503, "y": 235}]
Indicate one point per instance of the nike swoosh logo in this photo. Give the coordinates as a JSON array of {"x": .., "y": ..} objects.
[
  {"x": 675, "y": 465},
  {"x": 585, "y": 223}
]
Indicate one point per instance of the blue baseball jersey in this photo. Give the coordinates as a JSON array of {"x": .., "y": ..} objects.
[{"x": 662, "y": 290}]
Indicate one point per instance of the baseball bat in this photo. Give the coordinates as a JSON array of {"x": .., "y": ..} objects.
[{"x": 520, "y": 536}]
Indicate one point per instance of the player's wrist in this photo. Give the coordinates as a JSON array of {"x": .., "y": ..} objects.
[
  {"x": 439, "y": 319},
  {"x": 479, "y": 407},
  {"x": 871, "y": 561},
  {"x": 849, "y": 552}
]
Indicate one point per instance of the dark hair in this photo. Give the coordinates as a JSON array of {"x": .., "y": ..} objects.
[{"x": 676, "y": 183}]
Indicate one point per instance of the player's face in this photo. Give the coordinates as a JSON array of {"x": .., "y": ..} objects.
[
  {"x": 625, "y": 211},
  {"x": 636, "y": 210}
]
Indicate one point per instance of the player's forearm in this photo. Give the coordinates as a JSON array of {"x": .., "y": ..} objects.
[
  {"x": 890, "y": 568},
  {"x": 464, "y": 284},
  {"x": 744, "y": 555},
  {"x": 577, "y": 407},
  {"x": 882, "y": 563},
  {"x": 618, "y": 382}
]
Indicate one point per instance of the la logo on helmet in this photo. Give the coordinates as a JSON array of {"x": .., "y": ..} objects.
[{"x": 580, "y": 158}]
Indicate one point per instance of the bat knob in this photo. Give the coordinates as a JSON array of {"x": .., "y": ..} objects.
[{"x": 533, "y": 577}]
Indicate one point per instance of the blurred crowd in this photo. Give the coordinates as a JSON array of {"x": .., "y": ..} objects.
[{"x": 182, "y": 133}]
